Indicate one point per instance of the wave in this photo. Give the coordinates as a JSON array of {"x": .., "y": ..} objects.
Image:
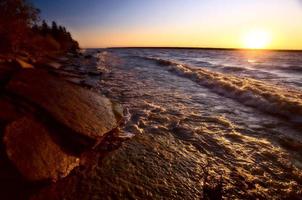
[
  {"x": 273, "y": 99},
  {"x": 294, "y": 68},
  {"x": 233, "y": 69}
]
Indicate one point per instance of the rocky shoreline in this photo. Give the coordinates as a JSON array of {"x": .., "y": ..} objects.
[{"x": 53, "y": 121}]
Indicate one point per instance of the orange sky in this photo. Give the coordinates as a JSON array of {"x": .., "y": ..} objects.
[{"x": 182, "y": 23}]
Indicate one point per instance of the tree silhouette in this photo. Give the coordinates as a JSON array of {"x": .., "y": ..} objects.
[
  {"x": 54, "y": 29},
  {"x": 16, "y": 19},
  {"x": 20, "y": 30},
  {"x": 44, "y": 28},
  {"x": 59, "y": 34}
]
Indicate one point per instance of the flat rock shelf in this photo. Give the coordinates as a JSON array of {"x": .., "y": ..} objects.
[
  {"x": 35, "y": 153},
  {"x": 87, "y": 113}
]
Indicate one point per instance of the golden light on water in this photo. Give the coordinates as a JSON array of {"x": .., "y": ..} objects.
[{"x": 257, "y": 39}]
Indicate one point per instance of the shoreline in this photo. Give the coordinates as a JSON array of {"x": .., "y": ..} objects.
[
  {"x": 25, "y": 111},
  {"x": 164, "y": 137}
]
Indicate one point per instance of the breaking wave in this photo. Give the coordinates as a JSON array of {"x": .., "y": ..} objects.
[
  {"x": 294, "y": 68},
  {"x": 273, "y": 99}
]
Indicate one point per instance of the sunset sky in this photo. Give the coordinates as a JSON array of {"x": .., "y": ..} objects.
[{"x": 274, "y": 24}]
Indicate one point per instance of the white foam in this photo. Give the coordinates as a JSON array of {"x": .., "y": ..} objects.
[{"x": 259, "y": 94}]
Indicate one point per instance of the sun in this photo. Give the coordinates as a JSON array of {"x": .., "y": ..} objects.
[{"x": 257, "y": 39}]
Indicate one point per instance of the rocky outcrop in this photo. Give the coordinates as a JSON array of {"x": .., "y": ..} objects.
[
  {"x": 30, "y": 146},
  {"x": 54, "y": 65},
  {"x": 23, "y": 64},
  {"x": 51, "y": 122},
  {"x": 7, "y": 69},
  {"x": 87, "y": 113},
  {"x": 9, "y": 111}
]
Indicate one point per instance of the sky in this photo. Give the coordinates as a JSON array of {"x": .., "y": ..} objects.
[{"x": 179, "y": 23}]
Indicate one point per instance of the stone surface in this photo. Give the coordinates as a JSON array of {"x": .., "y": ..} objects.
[
  {"x": 88, "y": 56},
  {"x": 74, "y": 80},
  {"x": 79, "y": 109},
  {"x": 90, "y": 82},
  {"x": 6, "y": 71},
  {"x": 35, "y": 154},
  {"x": 62, "y": 59},
  {"x": 118, "y": 111},
  {"x": 54, "y": 65},
  {"x": 8, "y": 111},
  {"x": 94, "y": 73},
  {"x": 23, "y": 64},
  {"x": 66, "y": 73}
]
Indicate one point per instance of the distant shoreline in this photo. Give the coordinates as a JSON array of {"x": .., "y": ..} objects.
[{"x": 207, "y": 48}]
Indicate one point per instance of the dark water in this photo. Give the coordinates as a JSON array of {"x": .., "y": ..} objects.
[{"x": 234, "y": 115}]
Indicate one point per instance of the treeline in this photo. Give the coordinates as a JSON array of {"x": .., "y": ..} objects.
[
  {"x": 22, "y": 31},
  {"x": 57, "y": 37}
]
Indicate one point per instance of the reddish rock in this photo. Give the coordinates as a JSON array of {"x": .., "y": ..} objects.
[
  {"x": 7, "y": 69},
  {"x": 35, "y": 153},
  {"x": 83, "y": 111},
  {"x": 118, "y": 111},
  {"x": 8, "y": 111},
  {"x": 23, "y": 64},
  {"x": 54, "y": 65}
]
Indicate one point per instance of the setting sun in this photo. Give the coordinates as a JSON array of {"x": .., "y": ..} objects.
[{"x": 257, "y": 39}]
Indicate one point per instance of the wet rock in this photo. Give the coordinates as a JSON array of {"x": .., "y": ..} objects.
[
  {"x": 73, "y": 55},
  {"x": 74, "y": 80},
  {"x": 70, "y": 54},
  {"x": 35, "y": 153},
  {"x": 88, "y": 56},
  {"x": 69, "y": 74},
  {"x": 76, "y": 56},
  {"x": 23, "y": 64},
  {"x": 54, "y": 65},
  {"x": 291, "y": 144},
  {"x": 81, "y": 110},
  {"x": 94, "y": 73},
  {"x": 90, "y": 82},
  {"x": 118, "y": 111},
  {"x": 82, "y": 71},
  {"x": 62, "y": 59}
]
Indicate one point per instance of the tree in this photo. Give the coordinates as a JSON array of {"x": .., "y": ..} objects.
[
  {"x": 44, "y": 28},
  {"x": 54, "y": 29},
  {"x": 20, "y": 31},
  {"x": 16, "y": 19}
]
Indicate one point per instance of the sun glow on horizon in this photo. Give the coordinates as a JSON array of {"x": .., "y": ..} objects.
[{"x": 257, "y": 39}]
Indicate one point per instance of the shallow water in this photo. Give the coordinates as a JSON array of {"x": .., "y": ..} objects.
[{"x": 234, "y": 115}]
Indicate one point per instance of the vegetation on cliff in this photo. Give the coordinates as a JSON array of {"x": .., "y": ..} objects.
[{"x": 21, "y": 30}]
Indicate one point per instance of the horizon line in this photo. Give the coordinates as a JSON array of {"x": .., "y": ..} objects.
[{"x": 204, "y": 48}]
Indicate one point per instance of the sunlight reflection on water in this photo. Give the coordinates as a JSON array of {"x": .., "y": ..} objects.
[{"x": 182, "y": 126}]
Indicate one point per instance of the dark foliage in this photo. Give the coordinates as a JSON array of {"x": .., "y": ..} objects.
[
  {"x": 20, "y": 32},
  {"x": 57, "y": 33},
  {"x": 16, "y": 18}
]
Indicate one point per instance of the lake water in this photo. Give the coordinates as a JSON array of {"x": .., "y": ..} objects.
[{"x": 233, "y": 115}]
